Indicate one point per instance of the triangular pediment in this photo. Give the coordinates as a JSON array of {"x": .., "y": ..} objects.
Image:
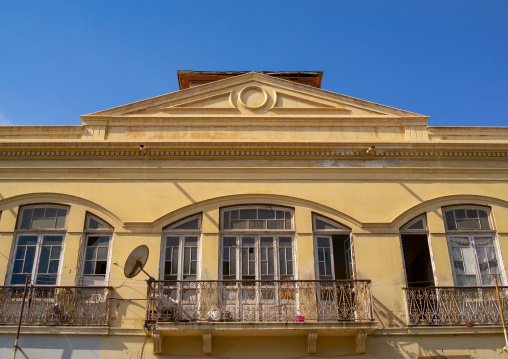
[{"x": 252, "y": 94}]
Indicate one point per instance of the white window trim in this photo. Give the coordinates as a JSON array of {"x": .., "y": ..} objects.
[
  {"x": 328, "y": 233},
  {"x": 87, "y": 232},
  {"x": 39, "y": 232},
  {"x": 257, "y": 235},
  {"x": 425, "y": 232},
  {"x": 181, "y": 233}
]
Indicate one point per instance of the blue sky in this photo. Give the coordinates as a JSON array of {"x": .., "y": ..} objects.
[{"x": 444, "y": 59}]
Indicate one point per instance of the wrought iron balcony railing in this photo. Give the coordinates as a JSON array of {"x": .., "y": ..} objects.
[
  {"x": 86, "y": 306},
  {"x": 455, "y": 305},
  {"x": 258, "y": 301}
]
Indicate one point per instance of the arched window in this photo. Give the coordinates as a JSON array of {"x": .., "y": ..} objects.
[
  {"x": 472, "y": 243},
  {"x": 39, "y": 239},
  {"x": 97, "y": 249},
  {"x": 180, "y": 253},
  {"x": 333, "y": 249},
  {"x": 257, "y": 243},
  {"x": 417, "y": 258}
]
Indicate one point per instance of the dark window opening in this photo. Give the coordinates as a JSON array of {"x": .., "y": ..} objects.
[{"x": 417, "y": 260}]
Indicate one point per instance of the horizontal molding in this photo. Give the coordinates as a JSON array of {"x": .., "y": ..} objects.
[{"x": 236, "y": 153}]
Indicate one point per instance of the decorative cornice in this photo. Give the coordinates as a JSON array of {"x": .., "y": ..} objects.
[{"x": 188, "y": 153}]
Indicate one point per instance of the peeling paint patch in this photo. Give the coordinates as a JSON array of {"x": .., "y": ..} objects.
[
  {"x": 330, "y": 163},
  {"x": 375, "y": 163}
]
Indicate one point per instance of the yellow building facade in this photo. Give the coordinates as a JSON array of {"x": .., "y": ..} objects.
[{"x": 281, "y": 220}]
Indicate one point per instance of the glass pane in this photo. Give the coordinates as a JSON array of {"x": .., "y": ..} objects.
[
  {"x": 460, "y": 214},
  {"x": 323, "y": 242},
  {"x": 188, "y": 224},
  {"x": 20, "y": 252},
  {"x": 457, "y": 253},
  {"x": 191, "y": 241},
  {"x": 26, "y": 219},
  {"x": 225, "y": 254},
  {"x": 17, "y": 279},
  {"x": 100, "y": 267},
  {"x": 232, "y": 262},
  {"x": 18, "y": 267},
  {"x": 50, "y": 213},
  {"x": 29, "y": 260},
  {"x": 53, "y": 266},
  {"x": 52, "y": 241},
  {"x": 266, "y": 214},
  {"x": 285, "y": 241},
  {"x": 27, "y": 240},
  {"x": 234, "y": 214},
  {"x": 459, "y": 267},
  {"x": 186, "y": 260},
  {"x": 102, "y": 253},
  {"x": 174, "y": 262},
  {"x": 38, "y": 212},
  {"x": 60, "y": 220},
  {"x": 44, "y": 260},
  {"x": 255, "y": 224},
  {"x": 245, "y": 261},
  {"x": 43, "y": 222},
  {"x": 288, "y": 224},
  {"x": 248, "y": 241},
  {"x": 275, "y": 224},
  {"x": 229, "y": 241},
  {"x": 55, "y": 253},
  {"x": 271, "y": 269},
  {"x": 172, "y": 241},
  {"x": 194, "y": 253},
  {"x": 250, "y": 213},
  {"x": 225, "y": 268},
  {"x": 89, "y": 267},
  {"x": 322, "y": 225},
  {"x": 239, "y": 224},
  {"x": 450, "y": 221},
  {"x": 90, "y": 253},
  {"x": 193, "y": 267},
  {"x": 251, "y": 268},
  {"x": 280, "y": 215},
  {"x": 225, "y": 225},
  {"x": 417, "y": 225},
  {"x": 46, "y": 279},
  {"x": 484, "y": 219}
]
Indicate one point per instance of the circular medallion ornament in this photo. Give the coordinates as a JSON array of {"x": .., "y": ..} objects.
[{"x": 253, "y": 97}]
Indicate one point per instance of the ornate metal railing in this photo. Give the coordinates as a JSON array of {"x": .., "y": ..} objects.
[
  {"x": 455, "y": 305},
  {"x": 258, "y": 301},
  {"x": 88, "y": 306}
]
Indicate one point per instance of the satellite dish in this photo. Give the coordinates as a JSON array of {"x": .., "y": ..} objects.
[{"x": 136, "y": 261}]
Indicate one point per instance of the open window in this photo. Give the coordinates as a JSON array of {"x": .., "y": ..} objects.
[
  {"x": 414, "y": 239},
  {"x": 97, "y": 251},
  {"x": 333, "y": 250},
  {"x": 39, "y": 239},
  {"x": 473, "y": 246},
  {"x": 181, "y": 250}
]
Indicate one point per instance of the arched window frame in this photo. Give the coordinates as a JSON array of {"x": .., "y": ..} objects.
[
  {"x": 461, "y": 241},
  {"x": 37, "y": 242},
  {"x": 282, "y": 248},
  {"x": 107, "y": 231},
  {"x": 323, "y": 246},
  {"x": 183, "y": 235}
]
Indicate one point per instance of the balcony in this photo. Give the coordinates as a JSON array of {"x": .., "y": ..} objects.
[
  {"x": 455, "y": 305},
  {"x": 63, "y": 306},
  {"x": 259, "y": 301}
]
